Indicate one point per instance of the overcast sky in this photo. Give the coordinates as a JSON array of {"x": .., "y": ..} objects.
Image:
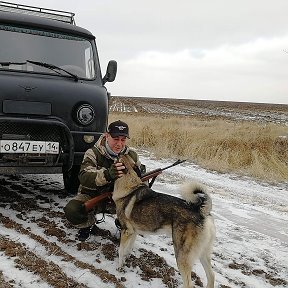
[{"x": 198, "y": 49}]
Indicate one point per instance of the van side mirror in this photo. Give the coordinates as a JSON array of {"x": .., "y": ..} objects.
[{"x": 111, "y": 72}]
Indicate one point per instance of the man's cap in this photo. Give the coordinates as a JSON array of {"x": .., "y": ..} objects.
[{"x": 118, "y": 128}]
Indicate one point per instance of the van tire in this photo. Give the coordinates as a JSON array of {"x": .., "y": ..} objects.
[{"x": 71, "y": 180}]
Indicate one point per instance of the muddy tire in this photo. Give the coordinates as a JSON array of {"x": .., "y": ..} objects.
[{"x": 71, "y": 180}]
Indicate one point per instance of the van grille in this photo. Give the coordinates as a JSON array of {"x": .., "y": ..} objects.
[{"x": 34, "y": 132}]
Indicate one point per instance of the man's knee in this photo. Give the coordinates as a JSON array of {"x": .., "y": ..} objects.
[{"x": 75, "y": 212}]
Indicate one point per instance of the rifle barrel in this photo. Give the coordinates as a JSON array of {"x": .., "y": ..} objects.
[{"x": 174, "y": 164}]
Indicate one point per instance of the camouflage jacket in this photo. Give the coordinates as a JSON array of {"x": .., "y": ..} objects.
[{"x": 95, "y": 161}]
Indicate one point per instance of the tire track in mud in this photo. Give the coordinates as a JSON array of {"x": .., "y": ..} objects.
[
  {"x": 3, "y": 282},
  {"x": 29, "y": 206},
  {"x": 25, "y": 259},
  {"x": 8, "y": 246}
]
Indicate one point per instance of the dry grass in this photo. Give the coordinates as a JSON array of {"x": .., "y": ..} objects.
[{"x": 246, "y": 148}]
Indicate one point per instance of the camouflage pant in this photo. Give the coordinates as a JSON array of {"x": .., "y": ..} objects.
[
  {"x": 76, "y": 204},
  {"x": 76, "y": 214}
]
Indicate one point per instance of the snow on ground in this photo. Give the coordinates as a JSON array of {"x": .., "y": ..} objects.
[
  {"x": 251, "y": 221},
  {"x": 250, "y": 250}
]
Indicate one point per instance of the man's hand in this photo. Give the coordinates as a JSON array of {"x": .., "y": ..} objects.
[
  {"x": 115, "y": 171},
  {"x": 120, "y": 168}
]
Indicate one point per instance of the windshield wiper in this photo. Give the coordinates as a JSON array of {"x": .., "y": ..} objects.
[
  {"x": 12, "y": 63},
  {"x": 53, "y": 67},
  {"x": 42, "y": 64}
]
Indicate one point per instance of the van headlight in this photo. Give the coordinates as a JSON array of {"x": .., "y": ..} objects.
[{"x": 85, "y": 114}]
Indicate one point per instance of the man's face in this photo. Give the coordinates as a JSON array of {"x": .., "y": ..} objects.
[{"x": 117, "y": 143}]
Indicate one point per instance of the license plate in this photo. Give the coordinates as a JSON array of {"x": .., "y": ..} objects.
[{"x": 31, "y": 147}]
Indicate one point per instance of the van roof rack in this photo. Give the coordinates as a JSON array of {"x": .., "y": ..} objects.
[{"x": 58, "y": 15}]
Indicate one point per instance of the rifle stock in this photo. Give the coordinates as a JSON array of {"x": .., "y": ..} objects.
[{"x": 90, "y": 204}]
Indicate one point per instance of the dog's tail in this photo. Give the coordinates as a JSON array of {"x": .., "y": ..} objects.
[{"x": 197, "y": 195}]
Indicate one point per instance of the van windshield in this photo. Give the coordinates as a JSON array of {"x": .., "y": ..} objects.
[{"x": 72, "y": 53}]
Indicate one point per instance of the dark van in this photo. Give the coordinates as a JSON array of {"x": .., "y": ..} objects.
[{"x": 54, "y": 104}]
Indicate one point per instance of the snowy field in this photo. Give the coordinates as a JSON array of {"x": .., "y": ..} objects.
[
  {"x": 260, "y": 112},
  {"x": 38, "y": 246}
]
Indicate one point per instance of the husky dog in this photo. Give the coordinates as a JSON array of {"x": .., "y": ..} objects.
[{"x": 141, "y": 210}]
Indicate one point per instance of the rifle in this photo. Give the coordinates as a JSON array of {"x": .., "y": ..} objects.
[
  {"x": 90, "y": 204},
  {"x": 154, "y": 173}
]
